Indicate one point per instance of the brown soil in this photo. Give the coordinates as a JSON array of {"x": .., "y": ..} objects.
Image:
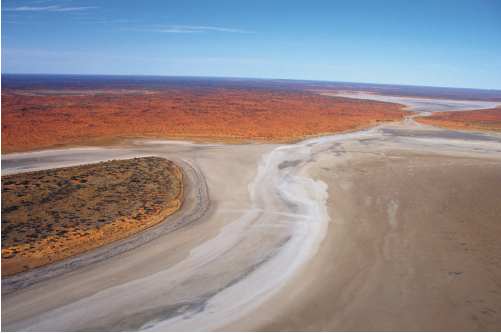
[
  {"x": 53, "y": 214},
  {"x": 34, "y": 121},
  {"x": 485, "y": 120}
]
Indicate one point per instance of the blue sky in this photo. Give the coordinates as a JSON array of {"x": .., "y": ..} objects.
[{"x": 442, "y": 43}]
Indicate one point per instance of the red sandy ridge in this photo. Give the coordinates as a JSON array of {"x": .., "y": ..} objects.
[{"x": 31, "y": 121}]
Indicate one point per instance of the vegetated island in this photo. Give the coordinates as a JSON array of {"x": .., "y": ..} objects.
[
  {"x": 483, "y": 120},
  {"x": 37, "y": 118},
  {"x": 52, "y": 214}
]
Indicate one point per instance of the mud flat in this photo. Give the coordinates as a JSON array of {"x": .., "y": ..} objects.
[
  {"x": 185, "y": 267},
  {"x": 419, "y": 104},
  {"x": 392, "y": 227},
  {"x": 412, "y": 243}
]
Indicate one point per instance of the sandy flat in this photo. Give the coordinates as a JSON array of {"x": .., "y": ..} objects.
[
  {"x": 412, "y": 245},
  {"x": 420, "y": 104},
  {"x": 389, "y": 228}
]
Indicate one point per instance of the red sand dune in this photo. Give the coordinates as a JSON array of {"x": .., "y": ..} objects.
[
  {"x": 39, "y": 121},
  {"x": 487, "y": 120}
]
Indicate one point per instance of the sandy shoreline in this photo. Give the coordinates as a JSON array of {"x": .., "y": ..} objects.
[{"x": 291, "y": 240}]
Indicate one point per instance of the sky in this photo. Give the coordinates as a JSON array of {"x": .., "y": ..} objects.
[{"x": 452, "y": 43}]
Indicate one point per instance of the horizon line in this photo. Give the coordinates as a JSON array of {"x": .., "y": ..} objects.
[{"x": 256, "y": 78}]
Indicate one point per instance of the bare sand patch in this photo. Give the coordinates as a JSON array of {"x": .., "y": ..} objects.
[{"x": 413, "y": 244}]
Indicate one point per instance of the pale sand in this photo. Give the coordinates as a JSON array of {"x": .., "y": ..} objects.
[
  {"x": 413, "y": 244},
  {"x": 25, "y": 309},
  {"x": 419, "y": 104},
  {"x": 255, "y": 236},
  {"x": 327, "y": 233}
]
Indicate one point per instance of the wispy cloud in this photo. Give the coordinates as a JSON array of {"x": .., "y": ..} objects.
[
  {"x": 190, "y": 29},
  {"x": 52, "y": 8}
]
